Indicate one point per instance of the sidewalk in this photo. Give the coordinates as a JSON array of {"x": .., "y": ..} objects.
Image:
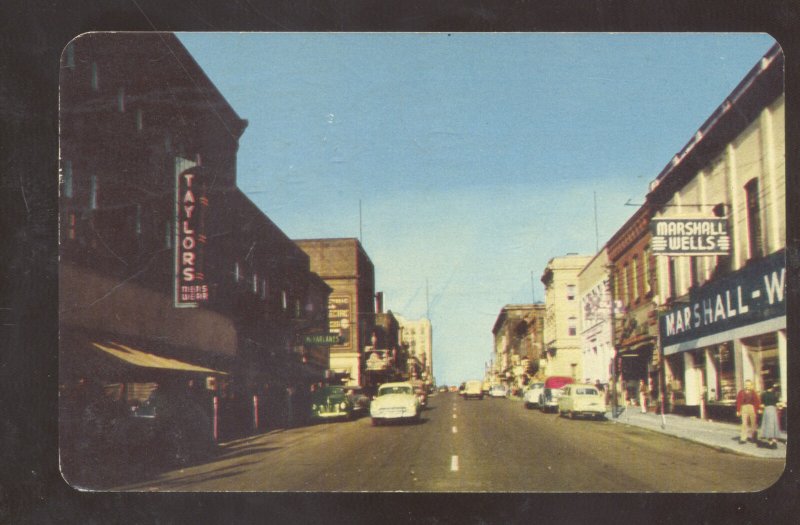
[{"x": 711, "y": 433}]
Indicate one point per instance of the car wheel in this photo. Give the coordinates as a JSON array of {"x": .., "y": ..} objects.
[
  {"x": 375, "y": 422},
  {"x": 527, "y": 405},
  {"x": 571, "y": 414}
]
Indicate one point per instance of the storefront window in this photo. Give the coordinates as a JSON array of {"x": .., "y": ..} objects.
[
  {"x": 674, "y": 377},
  {"x": 763, "y": 353},
  {"x": 722, "y": 357}
]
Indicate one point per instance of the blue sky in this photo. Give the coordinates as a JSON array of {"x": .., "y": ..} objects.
[{"x": 476, "y": 157}]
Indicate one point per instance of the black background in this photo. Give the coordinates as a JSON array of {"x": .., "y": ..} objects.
[{"x": 33, "y": 34}]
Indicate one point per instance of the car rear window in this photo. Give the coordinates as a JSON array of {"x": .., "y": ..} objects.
[{"x": 586, "y": 391}]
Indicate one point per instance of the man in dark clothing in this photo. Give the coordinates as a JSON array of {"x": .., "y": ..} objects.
[{"x": 748, "y": 404}]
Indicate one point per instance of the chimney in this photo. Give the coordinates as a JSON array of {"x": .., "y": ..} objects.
[{"x": 379, "y": 303}]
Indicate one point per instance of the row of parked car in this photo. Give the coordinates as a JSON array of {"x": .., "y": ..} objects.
[
  {"x": 391, "y": 401},
  {"x": 562, "y": 394}
]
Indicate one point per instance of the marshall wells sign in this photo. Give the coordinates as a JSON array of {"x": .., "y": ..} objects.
[
  {"x": 690, "y": 236},
  {"x": 191, "y": 205},
  {"x": 753, "y": 294}
]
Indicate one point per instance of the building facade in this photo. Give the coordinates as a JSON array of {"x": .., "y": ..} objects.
[
  {"x": 347, "y": 269},
  {"x": 518, "y": 343},
  {"x": 723, "y": 318},
  {"x": 170, "y": 279},
  {"x": 633, "y": 287},
  {"x": 595, "y": 325},
  {"x": 416, "y": 335},
  {"x": 562, "y": 341}
]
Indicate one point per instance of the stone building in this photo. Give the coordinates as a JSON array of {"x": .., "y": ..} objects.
[{"x": 562, "y": 341}]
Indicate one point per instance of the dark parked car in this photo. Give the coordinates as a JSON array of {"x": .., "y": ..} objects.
[{"x": 330, "y": 402}]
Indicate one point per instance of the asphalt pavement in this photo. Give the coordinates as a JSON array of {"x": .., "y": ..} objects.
[{"x": 491, "y": 445}]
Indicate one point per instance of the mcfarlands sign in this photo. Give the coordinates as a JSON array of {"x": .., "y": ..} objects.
[
  {"x": 755, "y": 293},
  {"x": 191, "y": 205},
  {"x": 690, "y": 236}
]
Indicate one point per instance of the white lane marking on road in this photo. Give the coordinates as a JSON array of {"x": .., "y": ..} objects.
[
  {"x": 454, "y": 416},
  {"x": 455, "y": 430},
  {"x": 454, "y": 464}
]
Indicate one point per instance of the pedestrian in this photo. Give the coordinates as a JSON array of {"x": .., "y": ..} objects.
[
  {"x": 643, "y": 396},
  {"x": 748, "y": 404},
  {"x": 769, "y": 421}
]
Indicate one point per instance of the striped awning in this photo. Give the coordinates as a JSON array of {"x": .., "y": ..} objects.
[{"x": 144, "y": 359}]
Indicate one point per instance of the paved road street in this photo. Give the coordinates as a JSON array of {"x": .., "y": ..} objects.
[{"x": 493, "y": 445}]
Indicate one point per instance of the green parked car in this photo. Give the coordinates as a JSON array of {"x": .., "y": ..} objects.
[{"x": 331, "y": 402}]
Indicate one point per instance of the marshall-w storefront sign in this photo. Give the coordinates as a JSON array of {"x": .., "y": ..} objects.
[
  {"x": 754, "y": 294},
  {"x": 690, "y": 237},
  {"x": 191, "y": 204}
]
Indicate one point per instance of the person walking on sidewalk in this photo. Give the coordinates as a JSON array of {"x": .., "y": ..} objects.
[
  {"x": 643, "y": 396},
  {"x": 769, "y": 421},
  {"x": 748, "y": 405}
]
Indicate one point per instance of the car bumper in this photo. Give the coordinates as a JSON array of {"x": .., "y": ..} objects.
[
  {"x": 330, "y": 414},
  {"x": 394, "y": 413}
]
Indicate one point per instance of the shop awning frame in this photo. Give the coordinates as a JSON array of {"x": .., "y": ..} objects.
[{"x": 143, "y": 359}]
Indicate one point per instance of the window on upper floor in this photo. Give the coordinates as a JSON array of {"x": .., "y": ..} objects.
[
  {"x": 255, "y": 282},
  {"x": 71, "y": 226},
  {"x": 69, "y": 55},
  {"x": 755, "y": 234},
  {"x": 571, "y": 292},
  {"x": 93, "y": 192},
  {"x": 646, "y": 278},
  {"x": 635, "y": 278},
  {"x": 139, "y": 119},
  {"x": 263, "y": 288},
  {"x": 626, "y": 292},
  {"x": 284, "y": 300},
  {"x": 237, "y": 272},
  {"x": 121, "y": 100},
  {"x": 67, "y": 174},
  {"x": 572, "y": 326},
  {"x": 672, "y": 277},
  {"x": 694, "y": 270}
]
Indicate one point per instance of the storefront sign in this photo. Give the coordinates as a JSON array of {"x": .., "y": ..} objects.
[
  {"x": 339, "y": 317},
  {"x": 753, "y": 294},
  {"x": 322, "y": 339},
  {"x": 191, "y": 204},
  {"x": 690, "y": 237}
]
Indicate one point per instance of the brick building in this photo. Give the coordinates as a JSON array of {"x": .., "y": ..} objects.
[{"x": 168, "y": 274}]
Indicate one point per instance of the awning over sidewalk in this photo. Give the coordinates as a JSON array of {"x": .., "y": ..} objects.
[{"x": 144, "y": 359}]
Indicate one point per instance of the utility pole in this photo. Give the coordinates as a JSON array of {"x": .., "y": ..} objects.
[
  {"x": 533, "y": 290},
  {"x": 360, "y": 232},
  {"x": 427, "y": 303}
]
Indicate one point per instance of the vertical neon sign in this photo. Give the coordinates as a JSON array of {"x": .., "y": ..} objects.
[{"x": 191, "y": 205}]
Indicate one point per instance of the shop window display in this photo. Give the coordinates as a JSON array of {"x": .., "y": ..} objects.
[{"x": 722, "y": 358}]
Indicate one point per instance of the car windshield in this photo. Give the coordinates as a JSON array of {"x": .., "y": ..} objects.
[
  {"x": 333, "y": 391},
  {"x": 394, "y": 390},
  {"x": 586, "y": 391}
]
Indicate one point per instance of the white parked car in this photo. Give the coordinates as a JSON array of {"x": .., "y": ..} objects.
[
  {"x": 532, "y": 394},
  {"x": 581, "y": 400},
  {"x": 395, "y": 401},
  {"x": 498, "y": 391}
]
